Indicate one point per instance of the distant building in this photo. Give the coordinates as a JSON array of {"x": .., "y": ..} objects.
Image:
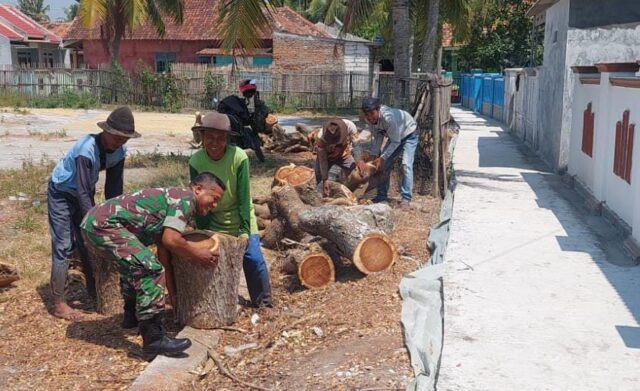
[
  {"x": 25, "y": 43},
  {"x": 293, "y": 44}
]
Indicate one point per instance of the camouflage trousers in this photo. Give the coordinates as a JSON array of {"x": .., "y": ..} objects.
[{"x": 141, "y": 274}]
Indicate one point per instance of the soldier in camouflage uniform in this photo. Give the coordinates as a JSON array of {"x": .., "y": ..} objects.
[{"x": 122, "y": 228}]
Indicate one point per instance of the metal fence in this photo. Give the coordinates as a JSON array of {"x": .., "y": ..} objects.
[{"x": 186, "y": 85}]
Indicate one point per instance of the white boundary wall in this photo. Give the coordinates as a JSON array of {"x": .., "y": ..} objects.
[{"x": 608, "y": 103}]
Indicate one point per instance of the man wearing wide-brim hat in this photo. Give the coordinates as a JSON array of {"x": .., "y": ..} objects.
[
  {"x": 71, "y": 194},
  {"x": 234, "y": 214}
]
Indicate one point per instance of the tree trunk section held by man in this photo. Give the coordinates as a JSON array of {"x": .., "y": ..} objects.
[{"x": 207, "y": 297}]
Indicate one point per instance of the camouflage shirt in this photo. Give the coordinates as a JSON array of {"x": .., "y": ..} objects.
[{"x": 145, "y": 213}]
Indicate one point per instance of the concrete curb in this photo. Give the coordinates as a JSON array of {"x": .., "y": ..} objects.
[{"x": 165, "y": 373}]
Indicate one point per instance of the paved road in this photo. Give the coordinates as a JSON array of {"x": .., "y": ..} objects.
[{"x": 538, "y": 295}]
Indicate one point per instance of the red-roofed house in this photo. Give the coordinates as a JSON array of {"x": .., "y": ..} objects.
[
  {"x": 292, "y": 43},
  {"x": 23, "y": 42}
]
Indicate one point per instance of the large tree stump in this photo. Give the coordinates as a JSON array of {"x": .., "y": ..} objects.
[
  {"x": 359, "y": 232},
  {"x": 8, "y": 274},
  {"x": 207, "y": 297}
]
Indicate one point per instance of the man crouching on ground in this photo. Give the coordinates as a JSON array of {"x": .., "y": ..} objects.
[{"x": 122, "y": 228}]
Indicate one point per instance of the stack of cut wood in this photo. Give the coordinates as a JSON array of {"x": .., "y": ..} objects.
[
  {"x": 300, "y": 140},
  {"x": 315, "y": 232}
]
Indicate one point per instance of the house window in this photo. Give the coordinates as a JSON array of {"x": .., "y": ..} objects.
[
  {"x": 588, "y": 122},
  {"x": 262, "y": 61},
  {"x": 25, "y": 58},
  {"x": 163, "y": 61},
  {"x": 623, "y": 152},
  {"x": 223, "y": 60},
  {"x": 47, "y": 57},
  {"x": 204, "y": 60}
]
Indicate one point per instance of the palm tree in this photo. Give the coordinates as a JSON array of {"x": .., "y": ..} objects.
[
  {"x": 325, "y": 11},
  {"x": 115, "y": 17},
  {"x": 71, "y": 12},
  {"x": 243, "y": 21},
  {"x": 35, "y": 9}
]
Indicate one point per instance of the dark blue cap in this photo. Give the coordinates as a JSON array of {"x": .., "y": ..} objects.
[{"x": 370, "y": 103}]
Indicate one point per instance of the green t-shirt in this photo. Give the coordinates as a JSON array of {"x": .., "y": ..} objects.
[{"x": 234, "y": 214}]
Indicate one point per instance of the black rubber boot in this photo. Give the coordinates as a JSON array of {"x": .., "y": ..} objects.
[
  {"x": 155, "y": 340},
  {"x": 129, "y": 319}
]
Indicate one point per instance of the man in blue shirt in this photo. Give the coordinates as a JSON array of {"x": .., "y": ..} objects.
[
  {"x": 399, "y": 129},
  {"x": 71, "y": 194}
]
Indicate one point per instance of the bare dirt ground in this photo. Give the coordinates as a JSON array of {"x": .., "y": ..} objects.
[{"x": 346, "y": 336}]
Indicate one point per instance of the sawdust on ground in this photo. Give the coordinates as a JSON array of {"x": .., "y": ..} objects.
[{"x": 346, "y": 336}]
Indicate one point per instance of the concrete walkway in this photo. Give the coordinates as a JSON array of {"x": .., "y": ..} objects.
[{"x": 538, "y": 294}]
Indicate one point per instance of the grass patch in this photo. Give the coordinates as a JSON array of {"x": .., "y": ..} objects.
[
  {"x": 13, "y": 99},
  {"x": 31, "y": 179},
  {"x": 46, "y": 136},
  {"x": 67, "y": 99},
  {"x": 155, "y": 159}
]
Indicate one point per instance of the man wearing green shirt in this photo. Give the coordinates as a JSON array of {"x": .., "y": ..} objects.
[{"x": 234, "y": 214}]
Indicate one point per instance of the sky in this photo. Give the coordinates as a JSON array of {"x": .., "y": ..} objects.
[{"x": 56, "y": 7}]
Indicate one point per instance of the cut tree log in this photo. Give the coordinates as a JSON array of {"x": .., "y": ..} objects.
[
  {"x": 207, "y": 297},
  {"x": 260, "y": 200},
  {"x": 312, "y": 264},
  {"x": 274, "y": 233},
  {"x": 339, "y": 191},
  {"x": 8, "y": 274},
  {"x": 359, "y": 232},
  {"x": 356, "y": 178},
  {"x": 283, "y": 140},
  {"x": 281, "y": 174},
  {"x": 107, "y": 279},
  {"x": 303, "y": 179},
  {"x": 262, "y": 211},
  {"x": 289, "y": 205}
]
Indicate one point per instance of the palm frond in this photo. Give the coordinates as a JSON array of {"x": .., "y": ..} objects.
[
  {"x": 356, "y": 11},
  {"x": 91, "y": 12},
  {"x": 242, "y": 21}
]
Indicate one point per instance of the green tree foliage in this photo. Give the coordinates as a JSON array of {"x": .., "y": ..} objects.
[
  {"x": 35, "y": 9},
  {"x": 71, "y": 12},
  {"x": 500, "y": 38},
  {"x": 117, "y": 17}
]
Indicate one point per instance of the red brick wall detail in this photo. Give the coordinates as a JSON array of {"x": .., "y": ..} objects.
[
  {"x": 301, "y": 54},
  {"x": 587, "y": 131},
  {"x": 622, "y": 158},
  {"x": 133, "y": 50}
]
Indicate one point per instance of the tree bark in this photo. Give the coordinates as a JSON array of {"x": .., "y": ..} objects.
[
  {"x": 8, "y": 274},
  {"x": 359, "y": 232},
  {"x": 401, "y": 59},
  {"x": 274, "y": 233},
  {"x": 431, "y": 35},
  {"x": 339, "y": 191},
  {"x": 107, "y": 278},
  {"x": 207, "y": 297},
  {"x": 313, "y": 266},
  {"x": 289, "y": 206},
  {"x": 262, "y": 211}
]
